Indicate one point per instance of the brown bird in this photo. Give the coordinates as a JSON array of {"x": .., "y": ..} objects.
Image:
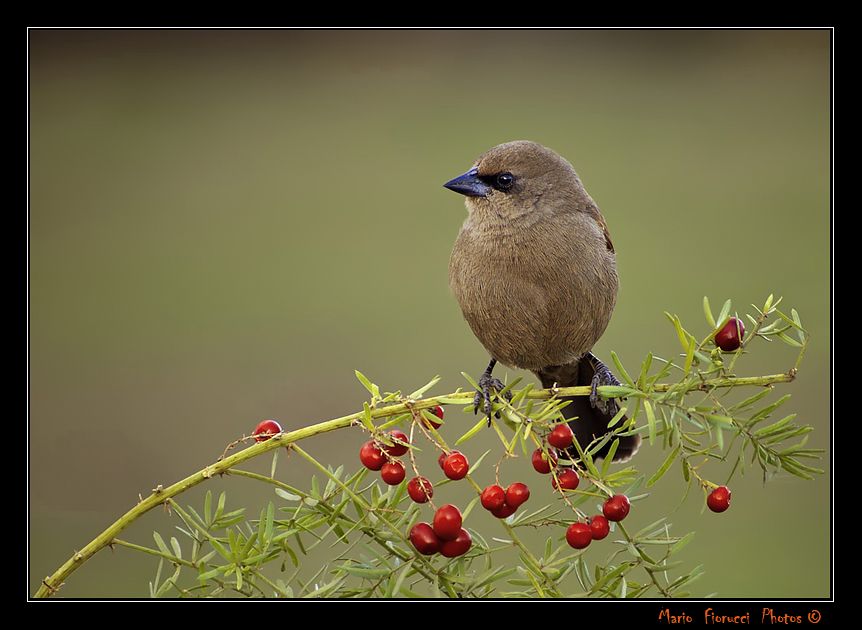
[{"x": 534, "y": 271}]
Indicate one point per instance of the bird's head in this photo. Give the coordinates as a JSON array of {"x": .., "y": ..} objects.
[{"x": 518, "y": 179}]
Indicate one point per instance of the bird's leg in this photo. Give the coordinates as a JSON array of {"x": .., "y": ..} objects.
[
  {"x": 602, "y": 376},
  {"x": 483, "y": 395}
]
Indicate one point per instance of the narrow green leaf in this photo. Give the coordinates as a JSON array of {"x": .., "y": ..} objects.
[
  {"x": 473, "y": 431},
  {"x": 619, "y": 416},
  {"x": 208, "y": 500},
  {"x": 274, "y": 462},
  {"x": 751, "y": 399},
  {"x": 511, "y": 446},
  {"x": 645, "y": 367},
  {"x": 492, "y": 575},
  {"x": 800, "y": 332},
  {"x": 650, "y": 414},
  {"x": 668, "y": 462},
  {"x": 399, "y": 581},
  {"x": 708, "y": 312},
  {"x": 622, "y": 370},
  {"x": 719, "y": 420},
  {"x": 364, "y": 572},
  {"x": 367, "y": 384},
  {"x": 586, "y": 459},
  {"x": 522, "y": 393},
  {"x": 767, "y": 411},
  {"x": 366, "y": 416},
  {"x": 689, "y": 355},
  {"x": 618, "y": 391},
  {"x": 477, "y": 463},
  {"x": 175, "y": 545},
  {"x": 222, "y": 551},
  {"x": 681, "y": 333},
  {"x": 469, "y": 507},
  {"x": 418, "y": 393},
  {"x": 290, "y": 552},
  {"x": 790, "y": 341},
  {"x": 790, "y": 467},
  {"x": 470, "y": 380},
  {"x": 610, "y": 456},
  {"x": 222, "y": 498},
  {"x": 268, "y": 524},
  {"x": 203, "y": 577},
  {"x": 160, "y": 543},
  {"x": 723, "y": 315},
  {"x": 621, "y": 477},
  {"x": 774, "y": 427}
]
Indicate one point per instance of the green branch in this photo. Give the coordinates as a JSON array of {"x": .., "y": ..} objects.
[{"x": 161, "y": 495}]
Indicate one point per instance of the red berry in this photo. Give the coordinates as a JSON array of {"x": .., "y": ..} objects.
[
  {"x": 392, "y": 472},
  {"x": 719, "y": 499},
  {"x": 447, "y": 522},
  {"x": 437, "y": 411},
  {"x": 397, "y": 450},
  {"x": 457, "y": 547},
  {"x": 266, "y": 430},
  {"x": 442, "y": 458},
  {"x": 420, "y": 489},
  {"x": 543, "y": 463},
  {"x": 371, "y": 456},
  {"x": 579, "y": 535},
  {"x": 493, "y": 497},
  {"x": 561, "y": 436},
  {"x": 729, "y": 338},
  {"x": 616, "y": 508},
  {"x": 424, "y": 539},
  {"x": 567, "y": 480},
  {"x": 516, "y": 494},
  {"x": 455, "y": 466},
  {"x": 600, "y": 527},
  {"x": 504, "y": 510}
]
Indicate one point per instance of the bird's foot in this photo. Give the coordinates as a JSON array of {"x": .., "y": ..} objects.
[
  {"x": 602, "y": 376},
  {"x": 488, "y": 384}
]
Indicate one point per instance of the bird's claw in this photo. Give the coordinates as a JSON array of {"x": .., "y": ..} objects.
[
  {"x": 603, "y": 376},
  {"x": 483, "y": 395}
]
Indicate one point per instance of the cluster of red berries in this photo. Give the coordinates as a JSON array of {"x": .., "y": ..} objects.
[
  {"x": 503, "y": 503},
  {"x": 382, "y": 458},
  {"x": 580, "y": 535},
  {"x": 560, "y": 437},
  {"x": 445, "y": 535}
]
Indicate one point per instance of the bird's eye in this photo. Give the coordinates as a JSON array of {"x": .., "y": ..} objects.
[{"x": 504, "y": 181}]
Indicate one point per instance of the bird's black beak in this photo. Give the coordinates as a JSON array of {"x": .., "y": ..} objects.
[{"x": 469, "y": 184}]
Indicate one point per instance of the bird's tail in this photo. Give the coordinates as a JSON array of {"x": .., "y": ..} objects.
[{"x": 587, "y": 422}]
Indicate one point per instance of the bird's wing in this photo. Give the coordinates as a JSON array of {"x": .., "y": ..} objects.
[{"x": 594, "y": 212}]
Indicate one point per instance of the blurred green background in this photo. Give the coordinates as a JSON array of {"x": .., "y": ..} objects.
[{"x": 225, "y": 224}]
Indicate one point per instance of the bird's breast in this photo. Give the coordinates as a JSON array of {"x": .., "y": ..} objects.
[{"x": 536, "y": 296}]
